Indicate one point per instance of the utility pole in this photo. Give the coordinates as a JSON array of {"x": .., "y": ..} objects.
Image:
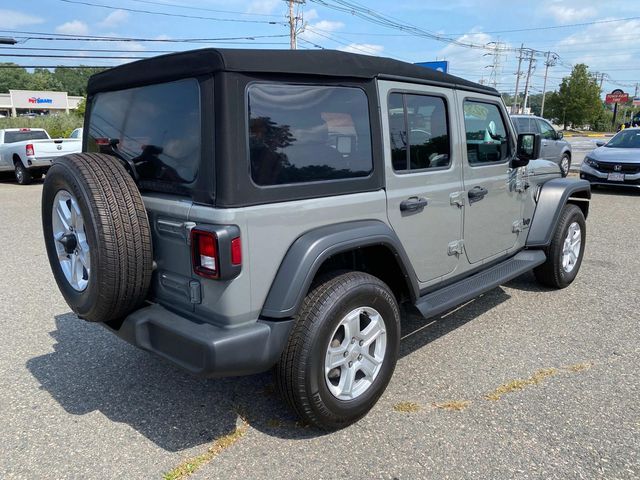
[
  {"x": 526, "y": 87},
  {"x": 551, "y": 61},
  {"x": 495, "y": 64},
  {"x": 294, "y": 18},
  {"x": 514, "y": 105}
]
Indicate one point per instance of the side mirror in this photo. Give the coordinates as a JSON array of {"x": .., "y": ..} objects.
[
  {"x": 560, "y": 135},
  {"x": 600, "y": 143},
  {"x": 528, "y": 149}
]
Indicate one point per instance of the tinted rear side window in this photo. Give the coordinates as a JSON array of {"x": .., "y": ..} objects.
[
  {"x": 157, "y": 127},
  {"x": 22, "y": 136},
  {"x": 308, "y": 133}
]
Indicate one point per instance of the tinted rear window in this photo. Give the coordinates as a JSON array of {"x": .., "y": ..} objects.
[
  {"x": 157, "y": 127},
  {"x": 13, "y": 137},
  {"x": 308, "y": 133},
  {"x": 525, "y": 124}
]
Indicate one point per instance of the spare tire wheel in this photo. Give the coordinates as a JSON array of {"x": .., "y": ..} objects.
[{"x": 97, "y": 236}]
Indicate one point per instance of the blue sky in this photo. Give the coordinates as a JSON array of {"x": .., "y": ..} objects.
[{"x": 610, "y": 47}]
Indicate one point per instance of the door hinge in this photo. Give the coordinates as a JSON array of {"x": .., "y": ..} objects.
[
  {"x": 518, "y": 226},
  {"x": 457, "y": 198},
  {"x": 455, "y": 248}
]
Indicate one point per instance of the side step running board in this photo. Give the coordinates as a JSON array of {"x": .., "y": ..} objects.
[{"x": 453, "y": 295}]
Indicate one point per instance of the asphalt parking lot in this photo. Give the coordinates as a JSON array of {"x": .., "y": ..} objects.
[
  {"x": 580, "y": 146},
  {"x": 521, "y": 383}
]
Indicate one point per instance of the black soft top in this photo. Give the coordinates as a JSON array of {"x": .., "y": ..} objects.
[{"x": 328, "y": 63}]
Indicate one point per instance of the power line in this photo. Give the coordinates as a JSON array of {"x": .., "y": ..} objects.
[
  {"x": 531, "y": 29},
  {"x": 54, "y": 66},
  {"x": 109, "y": 50},
  {"x": 389, "y": 22},
  {"x": 202, "y": 9},
  {"x": 30, "y": 55},
  {"x": 166, "y": 14},
  {"x": 549, "y": 27},
  {"x": 97, "y": 38}
]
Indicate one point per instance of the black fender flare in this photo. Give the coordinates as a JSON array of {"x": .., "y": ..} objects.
[
  {"x": 552, "y": 198},
  {"x": 309, "y": 251}
]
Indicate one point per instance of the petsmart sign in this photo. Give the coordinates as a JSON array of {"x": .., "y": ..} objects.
[
  {"x": 35, "y": 99},
  {"x": 39, "y": 100}
]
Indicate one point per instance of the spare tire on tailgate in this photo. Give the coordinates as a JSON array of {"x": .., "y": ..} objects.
[{"x": 97, "y": 235}]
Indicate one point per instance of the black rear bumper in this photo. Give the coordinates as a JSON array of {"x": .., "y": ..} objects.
[{"x": 202, "y": 348}]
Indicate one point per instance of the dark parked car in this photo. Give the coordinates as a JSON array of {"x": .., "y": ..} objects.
[{"x": 554, "y": 147}]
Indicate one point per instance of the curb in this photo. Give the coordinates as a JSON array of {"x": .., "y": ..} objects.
[{"x": 592, "y": 135}]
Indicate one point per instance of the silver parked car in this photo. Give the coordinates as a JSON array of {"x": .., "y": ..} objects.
[
  {"x": 554, "y": 147},
  {"x": 616, "y": 162}
]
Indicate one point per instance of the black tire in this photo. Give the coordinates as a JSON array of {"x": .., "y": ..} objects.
[
  {"x": 300, "y": 372},
  {"x": 117, "y": 231},
  {"x": 566, "y": 171},
  {"x": 23, "y": 175},
  {"x": 551, "y": 273}
]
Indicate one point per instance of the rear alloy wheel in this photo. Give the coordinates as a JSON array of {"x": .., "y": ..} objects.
[
  {"x": 565, "y": 165},
  {"x": 342, "y": 350},
  {"x": 355, "y": 353},
  {"x": 23, "y": 176}
]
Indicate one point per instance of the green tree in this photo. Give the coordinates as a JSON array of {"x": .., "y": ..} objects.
[
  {"x": 12, "y": 78},
  {"x": 82, "y": 107},
  {"x": 43, "y": 79},
  {"x": 74, "y": 80},
  {"x": 577, "y": 102}
]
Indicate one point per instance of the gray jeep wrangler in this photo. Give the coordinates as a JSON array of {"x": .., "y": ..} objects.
[{"x": 238, "y": 210}]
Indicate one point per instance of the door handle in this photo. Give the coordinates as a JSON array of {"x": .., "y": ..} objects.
[
  {"x": 477, "y": 193},
  {"x": 413, "y": 204}
]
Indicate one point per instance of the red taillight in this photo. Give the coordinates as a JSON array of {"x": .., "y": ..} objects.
[
  {"x": 236, "y": 251},
  {"x": 30, "y": 152},
  {"x": 25, "y": 129},
  {"x": 102, "y": 141},
  {"x": 205, "y": 253}
]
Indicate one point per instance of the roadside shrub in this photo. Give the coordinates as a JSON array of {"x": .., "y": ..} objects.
[{"x": 58, "y": 126}]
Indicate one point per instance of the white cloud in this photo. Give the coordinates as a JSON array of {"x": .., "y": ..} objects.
[
  {"x": 74, "y": 27},
  {"x": 466, "y": 62},
  {"x": 563, "y": 11},
  {"x": 320, "y": 32},
  {"x": 13, "y": 19},
  {"x": 363, "y": 48},
  {"x": 310, "y": 15},
  {"x": 114, "y": 19},
  {"x": 263, "y": 6},
  {"x": 602, "y": 45}
]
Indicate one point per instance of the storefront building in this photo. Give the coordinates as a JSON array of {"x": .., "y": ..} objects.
[{"x": 22, "y": 102}]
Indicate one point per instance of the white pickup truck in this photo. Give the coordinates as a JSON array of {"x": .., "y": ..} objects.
[{"x": 29, "y": 152}]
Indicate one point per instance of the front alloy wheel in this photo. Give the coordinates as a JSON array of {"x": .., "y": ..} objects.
[
  {"x": 564, "y": 254},
  {"x": 565, "y": 165}
]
